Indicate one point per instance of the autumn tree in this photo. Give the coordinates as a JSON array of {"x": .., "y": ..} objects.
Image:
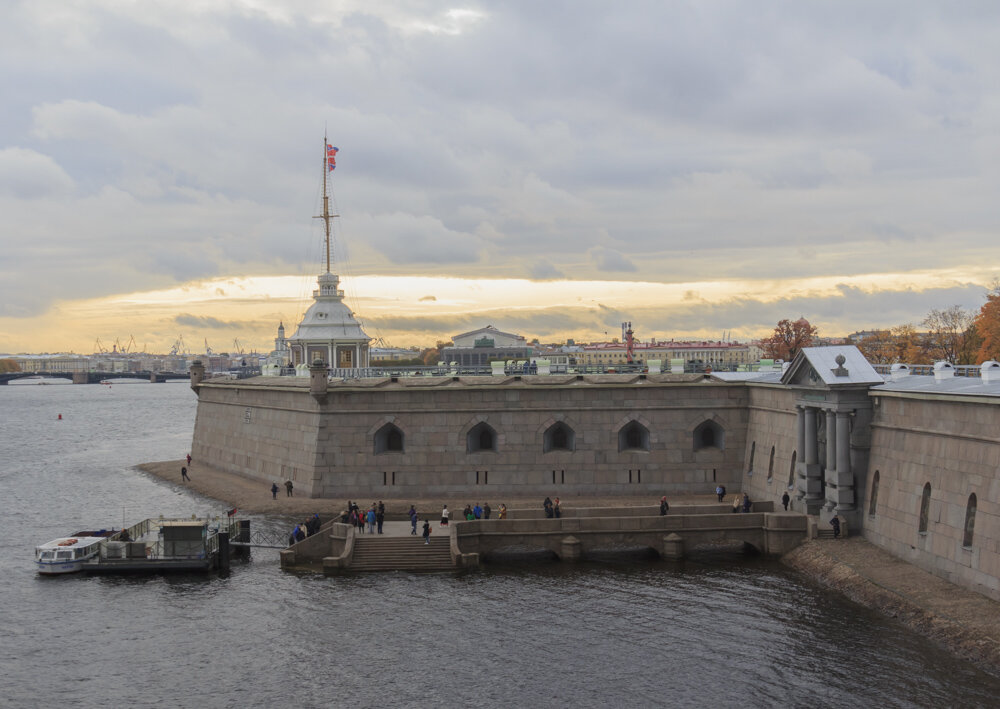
[
  {"x": 879, "y": 347},
  {"x": 9, "y": 365},
  {"x": 788, "y": 338},
  {"x": 987, "y": 324},
  {"x": 432, "y": 355},
  {"x": 946, "y": 334}
]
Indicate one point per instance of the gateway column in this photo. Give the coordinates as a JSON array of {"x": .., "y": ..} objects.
[{"x": 808, "y": 472}]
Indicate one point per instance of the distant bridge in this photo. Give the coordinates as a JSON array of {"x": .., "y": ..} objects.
[{"x": 95, "y": 377}]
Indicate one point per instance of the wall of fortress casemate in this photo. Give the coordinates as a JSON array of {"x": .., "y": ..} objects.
[{"x": 275, "y": 430}]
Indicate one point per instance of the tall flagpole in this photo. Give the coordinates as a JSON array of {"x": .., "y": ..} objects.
[{"x": 326, "y": 216}]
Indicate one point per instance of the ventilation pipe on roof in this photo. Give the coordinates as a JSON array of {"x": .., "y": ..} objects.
[
  {"x": 990, "y": 371},
  {"x": 899, "y": 371},
  {"x": 943, "y": 371}
]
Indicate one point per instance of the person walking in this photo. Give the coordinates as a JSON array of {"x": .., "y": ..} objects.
[
  {"x": 274, "y": 491},
  {"x": 427, "y": 532},
  {"x": 835, "y": 523},
  {"x": 413, "y": 520},
  {"x": 737, "y": 502},
  {"x": 785, "y": 500},
  {"x": 189, "y": 459},
  {"x": 444, "y": 516},
  {"x": 288, "y": 488},
  {"x": 184, "y": 474}
]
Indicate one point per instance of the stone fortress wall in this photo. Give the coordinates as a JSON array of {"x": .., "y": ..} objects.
[
  {"x": 421, "y": 436},
  {"x": 429, "y": 436},
  {"x": 950, "y": 449}
]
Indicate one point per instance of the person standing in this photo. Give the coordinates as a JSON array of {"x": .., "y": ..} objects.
[
  {"x": 274, "y": 491},
  {"x": 556, "y": 509},
  {"x": 380, "y": 517},
  {"x": 444, "y": 516},
  {"x": 477, "y": 512},
  {"x": 835, "y": 523},
  {"x": 413, "y": 520},
  {"x": 189, "y": 459},
  {"x": 503, "y": 511},
  {"x": 664, "y": 506},
  {"x": 737, "y": 502},
  {"x": 184, "y": 474},
  {"x": 288, "y": 488},
  {"x": 746, "y": 502},
  {"x": 785, "y": 500},
  {"x": 486, "y": 510},
  {"x": 547, "y": 506},
  {"x": 371, "y": 520},
  {"x": 427, "y": 532}
]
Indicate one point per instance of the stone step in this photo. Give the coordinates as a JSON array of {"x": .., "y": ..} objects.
[{"x": 402, "y": 554}]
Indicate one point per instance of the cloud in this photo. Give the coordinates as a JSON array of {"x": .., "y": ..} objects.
[
  {"x": 610, "y": 260},
  {"x": 428, "y": 299},
  {"x": 29, "y": 175},
  {"x": 202, "y": 321},
  {"x": 544, "y": 271}
]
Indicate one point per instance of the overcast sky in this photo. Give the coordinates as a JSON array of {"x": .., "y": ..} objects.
[{"x": 551, "y": 168}]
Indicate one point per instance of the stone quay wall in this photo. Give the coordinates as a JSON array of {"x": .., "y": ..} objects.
[
  {"x": 327, "y": 444},
  {"x": 951, "y": 444}
]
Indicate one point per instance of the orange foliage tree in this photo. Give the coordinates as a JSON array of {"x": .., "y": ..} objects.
[
  {"x": 788, "y": 338},
  {"x": 987, "y": 324}
]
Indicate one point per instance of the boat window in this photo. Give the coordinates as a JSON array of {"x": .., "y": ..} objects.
[{"x": 64, "y": 555}]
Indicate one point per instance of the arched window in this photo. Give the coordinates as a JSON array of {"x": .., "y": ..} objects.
[
  {"x": 970, "y": 520},
  {"x": 770, "y": 466},
  {"x": 709, "y": 434},
  {"x": 791, "y": 470},
  {"x": 389, "y": 439},
  {"x": 925, "y": 508},
  {"x": 633, "y": 436},
  {"x": 558, "y": 437},
  {"x": 753, "y": 451},
  {"x": 873, "y": 498},
  {"x": 481, "y": 437}
]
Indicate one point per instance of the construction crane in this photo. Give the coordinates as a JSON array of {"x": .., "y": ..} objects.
[
  {"x": 237, "y": 347},
  {"x": 99, "y": 347},
  {"x": 208, "y": 350},
  {"x": 179, "y": 348}
]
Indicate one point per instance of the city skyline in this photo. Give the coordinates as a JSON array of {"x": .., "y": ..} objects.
[{"x": 550, "y": 170}]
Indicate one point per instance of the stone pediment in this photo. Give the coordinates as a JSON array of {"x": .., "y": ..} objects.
[{"x": 830, "y": 367}]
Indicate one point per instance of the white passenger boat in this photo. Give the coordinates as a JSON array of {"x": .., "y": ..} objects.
[{"x": 66, "y": 555}]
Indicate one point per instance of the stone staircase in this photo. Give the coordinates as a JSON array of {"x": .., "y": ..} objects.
[{"x": 373, "y": 553}]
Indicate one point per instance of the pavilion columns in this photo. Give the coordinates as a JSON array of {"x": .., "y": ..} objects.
[
  {"x": 840, "y": 495},
  {"x": 808, "y": 471}
]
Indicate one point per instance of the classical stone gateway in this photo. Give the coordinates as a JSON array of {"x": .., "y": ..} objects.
[{"x": 911, "y": 462}]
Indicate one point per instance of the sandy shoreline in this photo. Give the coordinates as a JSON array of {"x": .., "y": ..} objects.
[
  {"x": 254, "y": 496},
  {"x": 965, "y": 622}
]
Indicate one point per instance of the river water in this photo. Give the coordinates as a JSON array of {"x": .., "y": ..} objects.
[{"x": 721, "y": 630}]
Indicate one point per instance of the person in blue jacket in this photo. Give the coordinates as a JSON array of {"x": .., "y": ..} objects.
[{"x": 413, "y": 520}]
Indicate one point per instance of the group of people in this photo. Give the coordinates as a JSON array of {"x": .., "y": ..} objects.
[
  {"x": 552, "y": 509},
  {"x": 373, "y": 517},
  {"x": 288, "y": 489},
  {"x": 472, "y": 513},
  {"x": 742, "y": 503},
  {"x": 305, "y": 529}
]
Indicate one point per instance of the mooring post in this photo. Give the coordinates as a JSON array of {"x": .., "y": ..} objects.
[
  {"x": 673, "y": 546},
  {"x": 571, "y": 549},
  {"x": 223, "y": 551}
]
